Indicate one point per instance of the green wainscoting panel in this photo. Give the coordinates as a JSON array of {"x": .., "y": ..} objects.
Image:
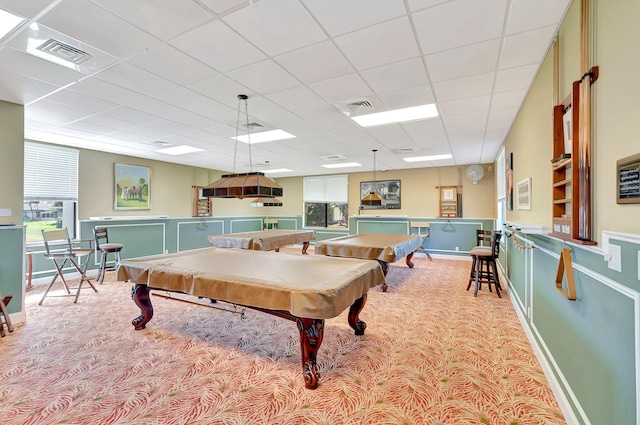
[
  {"x": 323, "y": 235},
  {"x": 379, "y": 225},
  {"x": 11, "y": 268},
  {"x": 517, "y": 270},
  {"x": 592, "y": 339},
  {"x": 193, "y": 235},
  {"x": 251, "y": 224},
  {"x": 454, "y": 236}
]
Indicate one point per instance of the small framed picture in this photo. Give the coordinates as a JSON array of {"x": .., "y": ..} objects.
[
  {"x": 449, "y": 194},
  {"x": 523, "y": 194}
]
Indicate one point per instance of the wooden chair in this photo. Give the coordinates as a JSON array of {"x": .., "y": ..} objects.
[
  {"x": 484, "y": 268},
  {"x": 270, "y": 223},
  {"x": 101, "y": 237},
  {"x": 60, "y": 249}
]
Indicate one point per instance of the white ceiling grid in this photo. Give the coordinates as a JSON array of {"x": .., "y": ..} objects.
[{"x": 170, "y": 71}]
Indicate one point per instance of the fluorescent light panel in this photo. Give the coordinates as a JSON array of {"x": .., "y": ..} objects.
[
  {"x": 428, "y": 158},
  {"x": 277, "y": 170},
  {"x": 264, "y": 136},
  {"x": 343, "y": 165},
  {"x": 398, "y": 115},
  {"x": 8, "y": 22},
  {"x": 179, "y": 150}
]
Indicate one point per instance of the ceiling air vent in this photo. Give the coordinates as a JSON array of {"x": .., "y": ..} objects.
[
  {"x": 64, "y": 51},
  {"x": 335, "y": 157},
  {"x": 404, "y": 150},
  {"x": 252, "y": 125},
  {"x": 355, "y": 107}
]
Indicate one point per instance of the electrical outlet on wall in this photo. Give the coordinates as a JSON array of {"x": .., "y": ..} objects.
[{"x": 615, "y": 257}]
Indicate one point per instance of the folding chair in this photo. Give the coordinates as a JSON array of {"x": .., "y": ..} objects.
[
  {"x": 4, "y": 316},
  {"x": 421, "y": 225},
  {"x": 60, "y": 249}
]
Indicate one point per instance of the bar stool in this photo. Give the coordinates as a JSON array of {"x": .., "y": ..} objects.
[
  {"x": 270, "y": 223},
  {"x": 101, "y": 236},
  {"x": 484, "y": 267}
]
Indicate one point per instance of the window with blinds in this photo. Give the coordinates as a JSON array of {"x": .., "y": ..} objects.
[
  {"x": 326, "y": 201},
  {"x": 50, "y": 189}
]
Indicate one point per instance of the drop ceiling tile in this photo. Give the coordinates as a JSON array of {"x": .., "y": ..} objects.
[
  {"x": 426, "y": 132},
  {"x": 264, "y": 77},
  {"x": 54, "y": 113},
  {"x": 525, "y": 16},
  {"x": 104, "y": 30},
  {"x": 106, "y": 91},
  {"x": 130, "y": 115},
  {"x": 222, "y": 89},
  {"x": 21, "y": 90},
  {"x": 389, "y": 42},
  {"x": 297, "y": 98},
  {"x": 136, "y": 79},
  {"x": 204, "y": 44},
  {"x": 475, "y": 85},
  {"x": 415, "y": 5},
  {"x": 27, "y": 9},
  {"x": 172, "y": 64},
  {"x": 222, "y": 6},
  {"x": 503, "y": 115},
  {"x": 314, "y": 63},
  {"x": 354, "y": 14},
  {"x": 463, "y": 61},
  {"x": 276, "y": 26},
  {"x": 464, "y": 105},
  {"x": 413, "y": 96},
  {"x": 341, "y": 89},
  {"x": 156, "y": 107},
  {"x": 106, "y": 121},
  {"x": 507, "y": 99},
  {"x": 396, "y": 76},
  {"x": 469, "y": 120},
  {"x": 186, "y": 99},
  {"x": 161, "y": 18},
  {"x": 526, "y": 48},
  {"x": 78, "y": 100},
  {"x": 458, "y": 23},
  {"x": 515, "y": 78}
]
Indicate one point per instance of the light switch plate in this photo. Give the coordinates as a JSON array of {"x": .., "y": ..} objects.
[{"x": 615, "y": 262}]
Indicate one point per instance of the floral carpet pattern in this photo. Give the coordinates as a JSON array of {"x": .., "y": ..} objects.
[{"x": 431, "y": 354}]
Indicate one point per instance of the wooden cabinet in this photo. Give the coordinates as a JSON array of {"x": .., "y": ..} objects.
[
  {"x": 201, "y": 204},
  {"x": 449, "y": 201}
]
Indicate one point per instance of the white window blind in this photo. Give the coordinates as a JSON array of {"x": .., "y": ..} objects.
[
  {"x": 50, "y": 172},
  {"x": 326, "y": 189},
  {"x": 501, "y": 190}
]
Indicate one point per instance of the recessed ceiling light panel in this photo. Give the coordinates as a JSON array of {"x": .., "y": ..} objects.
[{"x": 398, "y": 115}]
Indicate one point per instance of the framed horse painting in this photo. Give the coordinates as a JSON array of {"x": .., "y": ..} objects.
[{"x": 132, "y": 183}]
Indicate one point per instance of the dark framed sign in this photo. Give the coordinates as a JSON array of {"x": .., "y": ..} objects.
[
  {"x": 388, "y": 190},
  {"x": 628, "y": 180}
]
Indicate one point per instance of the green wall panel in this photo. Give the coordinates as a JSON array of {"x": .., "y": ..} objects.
[
  {"x": 11, "y": 252},
  {"x": 193, "y": 235}
]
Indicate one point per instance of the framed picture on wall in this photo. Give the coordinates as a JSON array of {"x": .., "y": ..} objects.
[
  {"x": 523, "y": 194},
  {"x": 388, "y": 190},
  {"x": 132, "y": 187}
]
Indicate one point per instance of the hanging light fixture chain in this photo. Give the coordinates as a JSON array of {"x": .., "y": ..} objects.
[
  {"x": 374, "y": 164},
  {"x": 246, "y": 112},
  {"x": 235, "y": 149}
]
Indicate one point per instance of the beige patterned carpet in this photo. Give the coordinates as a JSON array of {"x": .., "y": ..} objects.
[{"x": 432, "y": 354}]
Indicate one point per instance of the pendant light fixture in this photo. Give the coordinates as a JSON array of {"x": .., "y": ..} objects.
[
  {"x": 243, "y": 185},
  {"x": 266, "y": 202},
  {"x": 373, "y": 199}
]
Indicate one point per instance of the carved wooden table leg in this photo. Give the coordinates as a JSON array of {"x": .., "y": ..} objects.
[
  {"x": 408, "y": 260},
  {"x": 140, "y": 295},
  {"x": 305, "y": 246},
  {"x": 354, "y": 311},
  {"x": 385, "y": 270},
  {"x": 311, "y": 333}
]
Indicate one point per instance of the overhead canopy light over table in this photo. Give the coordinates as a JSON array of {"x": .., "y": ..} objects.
[{"x": 244, "y": 185}]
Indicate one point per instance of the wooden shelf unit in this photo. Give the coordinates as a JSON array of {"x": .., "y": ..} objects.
[
  {"x": 566, "y": 173},
  {"x": 201, "y": 205}
]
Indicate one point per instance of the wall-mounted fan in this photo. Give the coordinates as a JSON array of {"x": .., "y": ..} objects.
[{"x": 475, "y": 173}]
